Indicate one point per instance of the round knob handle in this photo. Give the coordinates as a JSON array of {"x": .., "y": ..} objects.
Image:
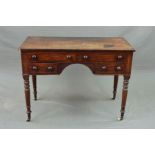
[
  {"x": 120, "y": 57},
  {"x": 34, "y": 57},
  {"x": 104, "y": 67},
  {"x": 119, "y": 68},
  {"x": 50, "y": 68},
  {"x": 34, "y": 67},
  {"x": 69, "y": 56},
  {"x": 85, "y": 57}
]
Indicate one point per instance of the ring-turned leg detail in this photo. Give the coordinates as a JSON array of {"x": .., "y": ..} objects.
[
  {"x": 124, "y": 95},
  {"x": 34, "y": 81},
  {"x": 27, "y": 96},
  {"x": 115, "y": 86}
]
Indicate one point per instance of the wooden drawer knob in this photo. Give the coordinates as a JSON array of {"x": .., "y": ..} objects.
[
  {"x": 119, "y": 68},
  {"x": 85, "y": 57},
  {"x": 120, "y": 57},
  {"x": 69, "y": 56},
  {"x": 50, "y": 68},
  {"x": 34, "y": 57},
  {"x": 35, "y": 68},
  {"x": 104, "y": 67}
]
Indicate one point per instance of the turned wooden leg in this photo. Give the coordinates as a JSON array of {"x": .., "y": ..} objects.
[
  {"x": 27, "y": 96},
  {"x": 34, "y": 81},
  {"x": 124, "y": 95},
  {"x": 115, "y": 86}
]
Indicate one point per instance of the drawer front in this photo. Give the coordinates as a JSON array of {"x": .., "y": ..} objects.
[
  {"x": 101, "y": 57},
  {"x": 51, "y": 56},
  {"x": 110, "y": 68},
  {"x": 43, "y": 68},
  {"x": 75, "y": 57},
  {"x": 102, "y": 62}
]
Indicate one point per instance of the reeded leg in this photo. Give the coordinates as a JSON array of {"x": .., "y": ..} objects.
[
  {"x": 34, "y": 81},
  {"x": 115, "y": 86},
  {"x": 27, "y": 96},
  {"x": 124, "y": 95}
]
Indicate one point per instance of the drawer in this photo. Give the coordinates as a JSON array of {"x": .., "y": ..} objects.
[
  {"x": 75, "y": 56},
  {"x": 102, "y": 57},
  {"x": 43, "y": 68},
  {"x": 110, "y": 68},
  {"x": 51, "y": 56}
]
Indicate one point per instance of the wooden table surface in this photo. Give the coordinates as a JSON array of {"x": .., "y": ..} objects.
[{"x": 77, "y": 43}]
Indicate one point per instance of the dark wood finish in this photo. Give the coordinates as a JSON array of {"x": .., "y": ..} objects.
[
  {"x": 110, "y": 68},
  {"x": 34, "y": 82},
  {"x": 115, "y": 86},
  {"x": 27, "y": 96},
  {"x": 51, "y": 55},
  {"x": 43, "y": 68},
  {"x": 43, "y": 59},
  {"x": 74, "y": 56},
  {"x": 124, "y": 95}
]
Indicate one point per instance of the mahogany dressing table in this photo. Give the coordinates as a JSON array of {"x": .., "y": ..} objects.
[{"x": 50, "y": 55}]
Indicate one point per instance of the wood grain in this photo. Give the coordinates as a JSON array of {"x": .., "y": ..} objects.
[{"x": 68, "y": 43}]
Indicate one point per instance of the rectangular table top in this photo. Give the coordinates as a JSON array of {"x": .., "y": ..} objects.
[{"x": 77, "y": 43}]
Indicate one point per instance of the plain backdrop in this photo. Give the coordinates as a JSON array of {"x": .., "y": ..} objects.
[{"x": 77, "y": 98}]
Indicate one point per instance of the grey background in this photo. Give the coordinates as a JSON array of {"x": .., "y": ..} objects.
[{"x": 77, "y": 98}]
